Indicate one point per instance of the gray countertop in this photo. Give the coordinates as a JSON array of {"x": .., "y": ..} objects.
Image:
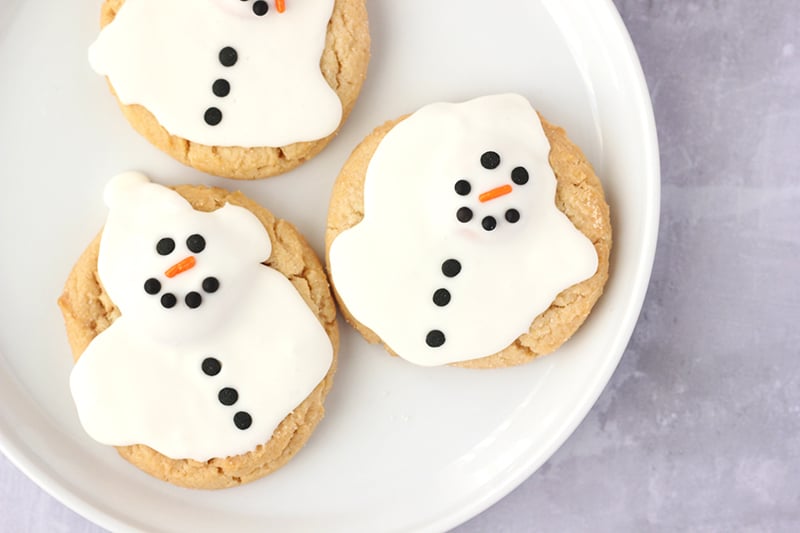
[{"x": 699, "y": 429}]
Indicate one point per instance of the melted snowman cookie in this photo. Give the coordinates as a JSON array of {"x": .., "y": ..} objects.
[
  {"x": 238, "y": 88},
  {"x": 210, "y": 355},
  {"x": 484, "y": 238}
]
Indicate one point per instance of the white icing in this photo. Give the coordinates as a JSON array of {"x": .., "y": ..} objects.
[
  {"x": 141, "y": 381},
  {"x": 387, "y": 267},
  {"x": 163, "y": 54}
]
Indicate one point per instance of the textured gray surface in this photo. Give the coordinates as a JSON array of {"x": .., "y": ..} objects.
[{"x": 699, "y": 429}]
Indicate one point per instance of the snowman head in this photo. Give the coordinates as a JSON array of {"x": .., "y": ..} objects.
[
  {"x": 175, "y": 271},
  {"x": 492, "y": 179},
  {"x": 476, "y": 172}
]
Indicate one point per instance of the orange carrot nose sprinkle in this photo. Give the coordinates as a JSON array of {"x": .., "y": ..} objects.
[
  {"x": 497, "y": 192},
  {"x": 280, "y": 5},
  {"x": 180, "y": 267}
]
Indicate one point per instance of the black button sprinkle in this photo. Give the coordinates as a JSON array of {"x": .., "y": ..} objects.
[
  {"x": 490, "y": 160},
  {"x": 152, "y": 286},
  {"x": 228, "y": 396},
  {"x": 221, "y": 88},
  {"x": 242, "y": 420},
  {"x": 228, "y": 56},
  {"x": 463, "y": 187},
  {"x": 196, "y": 243},
  {"x": 213, "y": 116},
  {"x": 441, "y": 297},
  {"x": 165, "y": 246},
  {"x": 451, "y": 268},
  {"x": 512, "y": 215},
  {"x": 435, "y": 338},
  {"x": 489, "y": 223},
  {"x": 464, "y": 214},
  {"x": 193, "y": 300},
  {"x": 211, "y": 366},
  {"x": 260, "y": 8},
  {"x": 519, "y": 176},
  {"x": 210, "y": 284},
  {"x": 168, "y": 300}
]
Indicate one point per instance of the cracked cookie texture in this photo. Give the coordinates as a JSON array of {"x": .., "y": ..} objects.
[
  {"x": 343, "y": 64},
  {"x": 88, "y": 310},
  {"x": 579, "y": 195}
]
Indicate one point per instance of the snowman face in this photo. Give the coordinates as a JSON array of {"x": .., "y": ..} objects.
[
  {"x": 176, "y": 270},
  {"x": 249, "y": 9},
  {"x": 195, "y": 245},
  {"x": 495, "y": 200},
  {"x": 489, "y": 193}
]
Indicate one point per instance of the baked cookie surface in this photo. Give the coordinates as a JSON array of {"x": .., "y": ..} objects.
[
  {"x": 463, "y": 199},
  {"x": 255, "y": 93},
  {"x": 206, "y": 397}
]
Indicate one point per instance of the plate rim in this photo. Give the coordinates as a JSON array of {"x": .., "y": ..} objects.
[
  {"x": 43, "y": 476},
  {"x": 644, "y": 269}
]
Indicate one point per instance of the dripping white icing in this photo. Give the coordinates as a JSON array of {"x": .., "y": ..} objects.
[
  {"x": 388, "y": 269},
  {"x": 143, "y": 380},
  {"x": 165, "y": 56}
]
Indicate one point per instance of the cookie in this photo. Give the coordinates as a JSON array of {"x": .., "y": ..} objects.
[
  {"x": 472, "y": 234},
  {"x": 240, "y": 89},
  {"x": 204, "y": 334}
]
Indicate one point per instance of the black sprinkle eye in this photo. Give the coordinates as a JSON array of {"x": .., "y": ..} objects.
[
  {"x": 464, "y": 214},
  {"x": 193, "y": 300},
  {"x": 243, "y": 420},
  {"x": 512, "y": 215},
  {"x": 168, "y": 300},
  {"x": 519, "y": 176},
  {"x": 152, "y": 286},
  {"x": 463, "y": 187},
  {"x": 490, "y": 160},
  {"x": 196, "y": 243},
  {"x": 165, "y": 246},
  {"x": 260, "y": 8},
  {"x": 211, "y": 285}
]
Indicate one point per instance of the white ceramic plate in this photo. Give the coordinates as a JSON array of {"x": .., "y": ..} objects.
[{"x": 402, "y": 448}]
